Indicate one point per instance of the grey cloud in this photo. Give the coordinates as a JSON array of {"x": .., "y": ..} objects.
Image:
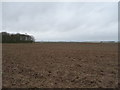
[
  {"x": 62, "y": 21},
  {"x": 0, "y": 15}
]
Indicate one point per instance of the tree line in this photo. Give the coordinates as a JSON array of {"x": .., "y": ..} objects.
[{"x": 16, "y": 38}]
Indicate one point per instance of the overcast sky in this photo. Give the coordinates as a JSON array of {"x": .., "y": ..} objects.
[{"x": 67, "y": 21}]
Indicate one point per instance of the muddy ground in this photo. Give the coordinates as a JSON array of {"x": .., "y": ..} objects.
[{"x": 60, "y": 65}]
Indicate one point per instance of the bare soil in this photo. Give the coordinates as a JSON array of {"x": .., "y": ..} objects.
[{"x": 60, "y": 65}]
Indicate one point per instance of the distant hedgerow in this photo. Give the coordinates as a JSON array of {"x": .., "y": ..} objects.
[{"x": 16, "y": 38}]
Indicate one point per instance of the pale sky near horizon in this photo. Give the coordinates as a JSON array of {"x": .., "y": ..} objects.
[{"x": 62, "y": 21}]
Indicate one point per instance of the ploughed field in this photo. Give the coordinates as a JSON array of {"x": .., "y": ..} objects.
[{"x": 60, "y": 65}]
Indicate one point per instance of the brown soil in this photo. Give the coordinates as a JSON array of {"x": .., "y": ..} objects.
[{"x": 60, "y": 65}]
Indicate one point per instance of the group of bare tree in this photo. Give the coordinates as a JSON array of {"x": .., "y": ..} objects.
[{"x": 16, "y": 38}]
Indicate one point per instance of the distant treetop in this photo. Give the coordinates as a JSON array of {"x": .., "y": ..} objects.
[{"x": 16, "y": 38}]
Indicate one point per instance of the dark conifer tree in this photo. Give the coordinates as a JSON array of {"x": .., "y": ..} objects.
[{"x": 16, "y": 38}]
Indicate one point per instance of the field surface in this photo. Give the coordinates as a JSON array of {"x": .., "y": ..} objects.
[{"x": 60, "y": 65}]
